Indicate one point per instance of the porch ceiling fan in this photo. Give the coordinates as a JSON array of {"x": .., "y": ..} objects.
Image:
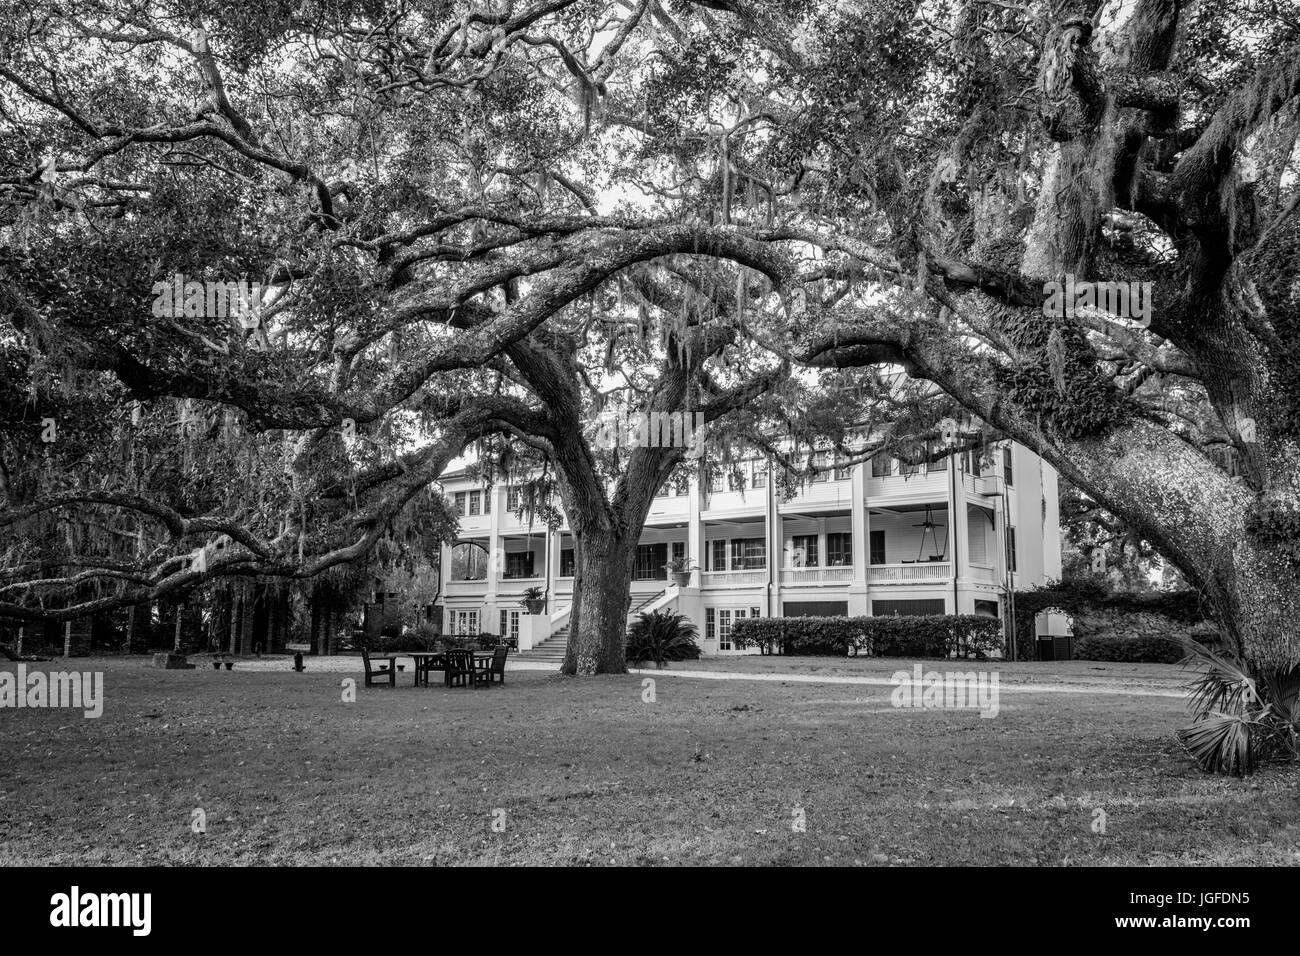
[{"x": 928, "y": 527}]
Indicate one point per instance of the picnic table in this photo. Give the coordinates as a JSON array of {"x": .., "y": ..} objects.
[{"x": 426, "y": 661}]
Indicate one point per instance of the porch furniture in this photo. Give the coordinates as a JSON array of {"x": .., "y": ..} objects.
[
  {"x": 459, "y": 668},
  {"x": 493, "y": 669},
  {"x": 388, "y": 669},
  {"x": 426, "y": 661}
]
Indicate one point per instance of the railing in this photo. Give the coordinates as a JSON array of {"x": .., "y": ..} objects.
[
  {"x": 836, "y": 575},
  {"x": 519, "y": 584},
  {"x": 732, "y": 579},
  {"x": 663, "y": 600},
  {"x": 983, "y": 574},
  {"x": 907, "y": 573}
]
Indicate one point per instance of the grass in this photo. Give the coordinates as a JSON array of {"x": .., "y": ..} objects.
[{"x": 587, "y": 773}]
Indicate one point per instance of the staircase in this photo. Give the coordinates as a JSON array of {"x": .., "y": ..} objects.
[
  {"x": 646, "y": 603},
  {"x": 551, "y": 650}
]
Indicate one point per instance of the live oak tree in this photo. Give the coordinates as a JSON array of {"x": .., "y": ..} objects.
[
  {"x": 411, "y": 191},
  {"x": 971, "y": 153},
  {"x": 436, "y": 194}
]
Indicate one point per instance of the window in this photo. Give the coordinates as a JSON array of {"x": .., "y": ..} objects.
[
  {"x": 905, "y": 469},
  {"x": 519, "y": 564},
  {"x": 882, "y": 466},
  {"x": 710, "y": 626},
  {"x": 877, "y": 542},
  {"x": 475, "y": 502},
  {"x": 987, "y": 609},
  {"x": 724, "y": 629},
  {"x": 748, "y": 554},
  {"x": 821, "y": 461},
  {"x": 839, "y": 549},
  {"x": 469, "y": 562},
  {"x": 679, "y": 550},
  {"x": 938, "y": 465},
  {"x": 650, "y": 561},
  {"x": 566, "y": 562},
  {"x": 908, "y": 608},
  {"x": 464, "y": 622},
  {"x": 973, "y": 461},
  {"x": 718, "y": 554},
  {"x": 513, "y": 498},
  {"x": 760, "y": 474},
  {"x": 460, "y": 502},
  {"x": 1011, "y": 548},
  {"x": 803, "y": 551},
  {"x": 754, "y": 612},
  {"x": 843, "y": 472},
  {"x": 714, "y": 482},
  {"x": 513, "y": 633},
  {"x": 1006, "y": 466},
  {"x": 487, "y": 501},
  {"x": 735, "y": 480}
]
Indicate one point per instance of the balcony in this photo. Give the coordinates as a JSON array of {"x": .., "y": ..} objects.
[
  {"x": 926, "y": 572},
  {"x": 733, "y": 579},
  {"x": 834, "y": 493},
  {"x": 800, "y": 576}
]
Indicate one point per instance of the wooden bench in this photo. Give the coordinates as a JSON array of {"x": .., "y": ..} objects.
[{"x": 388, "y": 670}]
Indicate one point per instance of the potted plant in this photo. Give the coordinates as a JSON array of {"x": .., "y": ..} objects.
[
  {"x": 680, "y": 569},
  {"x": 534, "y": 600}
]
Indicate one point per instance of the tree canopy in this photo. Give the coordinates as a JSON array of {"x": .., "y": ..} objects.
[{"x": 475, "y": 224}]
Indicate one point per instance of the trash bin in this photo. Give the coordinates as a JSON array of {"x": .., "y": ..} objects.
[{"x": 1054, "y": 647}]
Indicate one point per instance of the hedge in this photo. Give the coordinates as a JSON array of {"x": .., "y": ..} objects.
[
  {"x": 930, "y": 635},
  {"x": 1146, "y": 650}
]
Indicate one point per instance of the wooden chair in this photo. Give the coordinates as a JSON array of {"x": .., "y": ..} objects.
[
  {"x": 373, "y": 671},
  {"x": 493, "y": 670},
  {"x": 460, "y": 668},
  {"x": 426, "y": 665}
]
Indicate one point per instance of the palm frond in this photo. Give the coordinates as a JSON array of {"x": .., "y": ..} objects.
[
  {"x": 1220, "y": 743},
  {"x": 1223, "y": 686}
]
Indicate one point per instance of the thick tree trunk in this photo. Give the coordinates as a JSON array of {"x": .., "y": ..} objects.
[
  {"x": 601, "y": 586},
  {"x": 315, "y": 624},
  {"x": 236, "y": 610}
]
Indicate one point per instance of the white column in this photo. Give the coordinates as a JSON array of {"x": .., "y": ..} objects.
[
  {"x": 496, "y": 565},
  {"x": 772, "y": 527},
  {"x": 860, "y": 524},
  {"x": 695, "y": 530}
]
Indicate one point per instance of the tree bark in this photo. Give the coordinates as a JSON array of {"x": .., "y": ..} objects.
[
  {"x": 315, "y": 622},
  {"x": 601, "y": 585}
]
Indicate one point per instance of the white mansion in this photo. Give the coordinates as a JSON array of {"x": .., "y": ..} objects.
[{"x": 877, "y": 538}]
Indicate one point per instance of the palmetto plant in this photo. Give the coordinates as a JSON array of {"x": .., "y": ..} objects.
[
  {"x": 661, "y": 636},
  {"x": 1240, "y": 714}
]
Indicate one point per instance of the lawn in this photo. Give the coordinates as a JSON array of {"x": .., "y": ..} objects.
[{"x": 586, "y": 772}]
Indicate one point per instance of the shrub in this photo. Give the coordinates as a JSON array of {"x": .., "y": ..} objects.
[
  {"x": 1150, "y": 650},
  {"x": 422, "y": 638},
  {"x": 468, "y": 642},
  {"x": 932, "y": 635},
  {"x": 662, "y": 636}
]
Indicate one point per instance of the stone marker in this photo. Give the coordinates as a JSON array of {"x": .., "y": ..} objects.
[{"x": 172, "y": 662}]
